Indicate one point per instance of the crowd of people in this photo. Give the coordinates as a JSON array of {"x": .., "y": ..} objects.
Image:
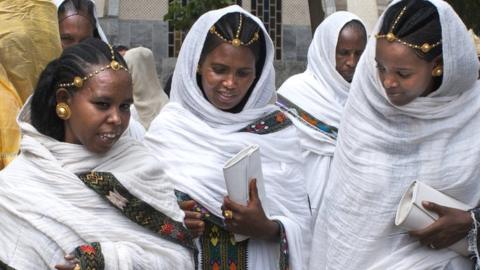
[{"x": 100, "y": 169}]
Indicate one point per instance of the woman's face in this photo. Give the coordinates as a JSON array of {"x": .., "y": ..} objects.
[
  {"x": 74, "y": 29},
  {"x": 100, "y": 110},
  {"x": 350, "y": 46},
  {"x": 227, "y": 73},
  {"x": 403, "y": 74}
]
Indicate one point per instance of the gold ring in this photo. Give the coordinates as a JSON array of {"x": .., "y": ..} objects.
[
  {"x": 77, "y": 267},
  {"x": 228, "y": 214}
]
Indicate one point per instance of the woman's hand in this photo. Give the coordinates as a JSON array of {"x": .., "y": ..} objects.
[
  {"x": 193, "y": 220},
  {"x": 250, "y": 220},
  {"x": 72, "y": 263},
  {"x": 451, "y": 226}
]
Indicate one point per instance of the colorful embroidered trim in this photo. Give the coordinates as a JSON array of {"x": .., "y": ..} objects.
[
  {"x": 284, "y": 254},
  {"x": 90, "y": 256},
  {"x": 310, "y": 121},
  {"x": 220, "y": 251},
  {"x": 4, "y": 266},
  {"x": 271, "y": 123},
  {"x": 105, "y": 184},
  {"x": 206, "y": 215}
]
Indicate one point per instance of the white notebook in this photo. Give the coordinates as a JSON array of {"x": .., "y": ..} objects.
[
  {"x": 411, "y": 215},
  {"x": 238, "y": 171}
]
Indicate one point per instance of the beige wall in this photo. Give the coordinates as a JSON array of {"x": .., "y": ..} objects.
[
  {"x": 295, "y": 12},
  {"x": 142, "y": 9}
]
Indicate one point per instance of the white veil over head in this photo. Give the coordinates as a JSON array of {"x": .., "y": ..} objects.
[
  {"x": 186, "y": 91},
  {"x": 383, "y": 148},
  {"x": 321, "y": 90},
  {"x": 193, "y": 140}
]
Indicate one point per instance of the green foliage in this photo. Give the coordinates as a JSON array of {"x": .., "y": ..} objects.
[
  {"x": 469, "y": 11},
  {"x": 182, "y": 17}
]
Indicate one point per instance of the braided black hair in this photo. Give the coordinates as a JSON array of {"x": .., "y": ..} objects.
[
  {"x": 227, "y": 27},
  {"x": 77, "y": 60},
  {"x": 83, "y": 7},
  {"x": 419, "y": 24}
]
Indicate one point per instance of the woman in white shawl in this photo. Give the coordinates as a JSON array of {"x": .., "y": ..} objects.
[
  {"x": 221, "y": 103},
  {"x": 79, "y": 187},
  {"x": 315, "y": 98},
  {"x": 413, "y": 113}
]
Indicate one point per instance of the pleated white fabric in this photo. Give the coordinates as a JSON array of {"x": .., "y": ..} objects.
[
  {"x": 322, "y": 92},
  {"x": 383, "y": 148},
  {"x": 46, "y": 211},
  {"x": 193, "y": 140}
]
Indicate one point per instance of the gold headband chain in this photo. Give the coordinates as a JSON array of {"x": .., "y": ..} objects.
[
  {"x": 78, "y": 81},
  {"x": 236, "y": 42},
  {"x": 390, "y": 37}
]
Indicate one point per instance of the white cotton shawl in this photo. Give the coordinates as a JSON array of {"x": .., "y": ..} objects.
[
  {"x": 383, "y": 148},
  {"x": 193, "y": 140},
  {"x": 58, "y": 3},
  {"x": 46, "y": 211},
  {"x": 148, "y": 95},
  {"x": 321, "y": 90}
]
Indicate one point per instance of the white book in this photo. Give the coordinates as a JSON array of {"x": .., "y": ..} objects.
[
  {"x": 411, "y": 215},
  {"x": 238, "y": 172}
]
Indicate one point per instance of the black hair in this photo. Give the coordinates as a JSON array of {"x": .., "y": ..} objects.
[
  {"x": 77, "y": 60},
  {"x": 81, "y": 7},
  {"x": 121, "y": 48},
  {"x": 168, "y": 85},
  {"x": 357, "y": 25},
  {"x": 227, "y": 27},
  {"x": 419, "y": 24}
]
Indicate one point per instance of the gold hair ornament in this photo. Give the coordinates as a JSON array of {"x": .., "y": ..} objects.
[
  {"x": 63, "y": 111},
  {"x": 78, "y": 81},
  {"x": 390, "y": 37},
  {"x": 236, "y": 42}
]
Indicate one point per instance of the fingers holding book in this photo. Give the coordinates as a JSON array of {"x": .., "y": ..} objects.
[{"x": 451, "y": 226}]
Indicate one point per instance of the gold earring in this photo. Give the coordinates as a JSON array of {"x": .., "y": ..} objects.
[
  {"x": 437, "y": 71},
  {"x": 63, "y": 111}
]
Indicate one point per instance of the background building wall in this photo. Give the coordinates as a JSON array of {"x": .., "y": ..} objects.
[{"x": 140, "y": 23}]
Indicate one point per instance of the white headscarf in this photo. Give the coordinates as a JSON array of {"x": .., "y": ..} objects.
[
  {"x": 194, "y": 139},
  {"x": 148, "y": 95},
  {"x": 58, "y": 3},
  {"x": 188, "y": 93},
  {"x": 47, "y": 211},
  {"x": 383, "y": 148},
  {"x": 321, "y": 90}
]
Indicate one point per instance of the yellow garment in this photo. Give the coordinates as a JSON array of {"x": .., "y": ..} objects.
[
  {"x": 10, "y": 104},
  {"x": 29, "y": 39}
]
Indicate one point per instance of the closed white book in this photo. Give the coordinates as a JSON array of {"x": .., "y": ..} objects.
[
  {"x": 238, "y": 172},
  {"x": 411, "y": 215}
]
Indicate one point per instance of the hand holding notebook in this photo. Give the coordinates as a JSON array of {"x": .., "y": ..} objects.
[
  {"x": 412, "y": 215},
  {"x": 238, "y": 172}
]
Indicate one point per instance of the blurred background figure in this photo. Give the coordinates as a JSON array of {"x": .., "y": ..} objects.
[
  {"x": 148, "y": 95},
  {"x": 77, "y": 20},
  {"x": 28, "y": 40}
]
